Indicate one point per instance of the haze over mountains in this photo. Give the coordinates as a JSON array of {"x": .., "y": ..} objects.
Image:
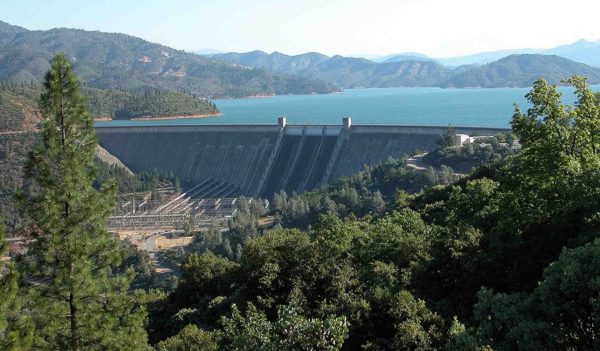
[
  {"x": 119, "y": 61},
  {"x": 414, "y": 70},
  {"x": 582, "y": 51},
  {"x": 112, "y": 60}
]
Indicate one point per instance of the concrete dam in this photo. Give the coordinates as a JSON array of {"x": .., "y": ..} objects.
[{"x": 259, "y": 160}]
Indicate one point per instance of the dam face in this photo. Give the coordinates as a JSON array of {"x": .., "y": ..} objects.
[{"x": 259, "y": 160}]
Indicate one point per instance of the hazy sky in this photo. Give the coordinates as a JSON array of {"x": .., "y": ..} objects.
[{"x": 439, "y": 28}]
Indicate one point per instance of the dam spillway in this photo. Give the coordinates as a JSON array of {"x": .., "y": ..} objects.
[{"x": 259, "y": 160}]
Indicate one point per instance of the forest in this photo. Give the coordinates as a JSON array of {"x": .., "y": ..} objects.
[
  {"x": 505, "y": 258},
  {"x": 110, "y": 103},
  {"x": 166, "y": 104}
]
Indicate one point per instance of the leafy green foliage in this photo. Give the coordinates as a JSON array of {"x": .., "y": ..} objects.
[
  {"x": 357, "y": 269},
  {"x": 290, "y": 331},
  {"x": 191, "y": 338},
  {"x": 562, "y": 312}
]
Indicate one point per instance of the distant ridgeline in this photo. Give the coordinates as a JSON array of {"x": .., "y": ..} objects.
[
  {"x": 351, "y": 72},
  {"x": 109, "y": 103},
  {"x": 259, "y": 160},
  {"x": 119, "y": 61}
]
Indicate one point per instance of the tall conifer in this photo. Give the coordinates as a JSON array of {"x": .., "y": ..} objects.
[{"x": 77, "y": 302}]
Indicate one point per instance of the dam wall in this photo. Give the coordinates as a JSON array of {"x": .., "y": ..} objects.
[{"x": 259, "y": 160}]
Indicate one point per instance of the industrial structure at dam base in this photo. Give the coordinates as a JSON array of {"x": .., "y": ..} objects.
[{"x": 260, "y": 160}]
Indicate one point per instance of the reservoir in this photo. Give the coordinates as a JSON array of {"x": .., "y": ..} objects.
[{"x": 397, "y": 106}]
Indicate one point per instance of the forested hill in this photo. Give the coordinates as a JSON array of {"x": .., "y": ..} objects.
[
  {"x": 112, "y": 60},
  {"x": 275, "y": 61},
  {"x": 166, "y": 104},
  {"x": 348, "y": 72},
  {"x": 358, "y": 72},
  {"x": 19, "y": 112},
  {"x": 9, "y": 28},
  {"x": 521, "y": 71}
]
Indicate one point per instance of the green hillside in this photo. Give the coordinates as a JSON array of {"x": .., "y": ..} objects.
[
  {"x": 275, "y": 61},
  {"x": 355, "y": 72},
  {"x": 522, "y": 71},
  {"x": 122, "y": 62},
  {"x": 119, "y": 61},
  {"x": 406, "y": 71},
  {"x": 165, "y": 104},
  {"x": 103, "y": 103},
  {"x": 347, "y": 72}
]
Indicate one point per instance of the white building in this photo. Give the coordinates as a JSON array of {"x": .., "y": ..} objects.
[{"x": 462, "y": 139}]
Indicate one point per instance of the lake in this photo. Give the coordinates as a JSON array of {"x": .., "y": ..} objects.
[{"x": 415, "y": 106}]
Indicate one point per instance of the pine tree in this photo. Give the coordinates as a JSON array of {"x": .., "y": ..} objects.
[{"x": 78, "y": 303}]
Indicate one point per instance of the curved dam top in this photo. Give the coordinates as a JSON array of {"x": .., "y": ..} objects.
[{"x": 259, "y": 160}]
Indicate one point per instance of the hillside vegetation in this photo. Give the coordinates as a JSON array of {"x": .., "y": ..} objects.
[
  {"x": 12, "y": 114},
  {"x": 109, "y": 103},
  {"x": 347, "y": 72},
  {"x": 521, "y": 71},
  {"x": 165, "y": 104},
  {"x": 122, "y": 62},
  {"x": 119, "y": 61},
  {"x": 352, "y": 72},
  {"x": 406, "y": 71},
  {"x": 18, "y": 112}
]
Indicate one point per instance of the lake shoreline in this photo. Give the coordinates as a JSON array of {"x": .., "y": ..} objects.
[{"x": 163, "y": 118}]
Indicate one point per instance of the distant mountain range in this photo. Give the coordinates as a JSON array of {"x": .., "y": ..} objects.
[
  {"x": 414, "y": 70},
  {"x": 119, "y": 61},
  {"x": 520, "y": 71},
  {"x": 583, "y": 51},
  {"x": 112, "y": 60}
]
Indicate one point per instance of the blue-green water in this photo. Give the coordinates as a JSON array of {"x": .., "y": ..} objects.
[{"x": 417, "y": 106}]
